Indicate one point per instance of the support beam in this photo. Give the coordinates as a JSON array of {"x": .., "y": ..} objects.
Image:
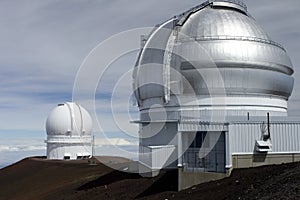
[{"x": 179, "y": 148}]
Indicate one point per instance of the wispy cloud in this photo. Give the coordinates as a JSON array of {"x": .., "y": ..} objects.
[{"x": 13, "y": 147}]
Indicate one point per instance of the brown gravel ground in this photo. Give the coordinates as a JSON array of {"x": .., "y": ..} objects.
[{"x": 37, "y": 178}]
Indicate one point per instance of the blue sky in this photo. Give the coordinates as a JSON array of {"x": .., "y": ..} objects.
[{"x": 43, "y": 44}]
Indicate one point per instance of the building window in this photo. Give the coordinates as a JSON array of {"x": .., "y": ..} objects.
[
  {"x": 199, "y": 139},
  {"x": 67, "y": 157}
]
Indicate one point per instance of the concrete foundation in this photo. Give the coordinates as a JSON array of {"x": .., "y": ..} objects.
[
  {"x": 255, "y": 160},
  {"x": 189, "y": 179}
]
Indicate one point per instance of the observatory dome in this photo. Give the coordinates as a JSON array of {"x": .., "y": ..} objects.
[
  {"x": 255, "y": 72},
  {"x": 69, "y": 119}
]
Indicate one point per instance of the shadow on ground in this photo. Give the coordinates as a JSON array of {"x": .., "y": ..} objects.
[
  {"x": 166, "y": 182},
  {"x": 112, "y": 177}
]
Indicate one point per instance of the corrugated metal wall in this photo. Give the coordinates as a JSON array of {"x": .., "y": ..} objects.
[{"x": 285, "y": 138}]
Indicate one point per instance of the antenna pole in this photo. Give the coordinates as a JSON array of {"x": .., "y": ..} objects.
[
  {"x": 93, "y": 146},
  {"x": 269, "y": 134}
]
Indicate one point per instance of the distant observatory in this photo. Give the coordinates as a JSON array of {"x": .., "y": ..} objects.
[
  {"x": 69, "y": 128},
  {"x": 212, "y": 89}
]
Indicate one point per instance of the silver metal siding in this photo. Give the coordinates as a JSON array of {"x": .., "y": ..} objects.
[{"x": 284, "y": 137}]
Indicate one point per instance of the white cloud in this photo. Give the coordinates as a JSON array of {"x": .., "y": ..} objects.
[
  {"x": 114, "y": 142},
  {"x": 12, "y": 147}
]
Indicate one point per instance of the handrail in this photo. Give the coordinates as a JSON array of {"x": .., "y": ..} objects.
[
  {"x": 228, "y": 37},
  {"x": 181, "y": 18},
  {"x": 238, "y": 2},
  {"x": 184, "y": 16}
]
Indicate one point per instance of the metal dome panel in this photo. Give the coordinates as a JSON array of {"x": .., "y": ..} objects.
[
  {"x": 216, "y": 35},
  {"x": 69, "y": 119},
  {"x": 221, "y": 22}
]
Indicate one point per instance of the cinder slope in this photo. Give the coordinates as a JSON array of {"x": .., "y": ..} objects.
[{"x": 35, "y": 178}]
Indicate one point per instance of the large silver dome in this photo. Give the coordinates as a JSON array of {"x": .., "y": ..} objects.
[
  {"x": 222, "y": 22},
  {"x": 254, "y": 71}
]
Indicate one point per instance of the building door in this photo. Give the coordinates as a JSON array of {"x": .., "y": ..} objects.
[{"x": 206, "y": 152}]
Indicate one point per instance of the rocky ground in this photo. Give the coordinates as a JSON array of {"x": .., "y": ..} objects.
[{"x": 36, "y": 178}]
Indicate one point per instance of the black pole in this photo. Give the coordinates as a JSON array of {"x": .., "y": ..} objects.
[{"x": 269, "y": 134}]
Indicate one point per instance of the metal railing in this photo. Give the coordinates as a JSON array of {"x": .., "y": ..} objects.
[
  {"x": 184, "y": 16},
  {"x": 228, "y": 37},
  {"x": 181, "y": 18},
  {"x": 194, "y": 163},
  {"x": 238, "y": 2}
]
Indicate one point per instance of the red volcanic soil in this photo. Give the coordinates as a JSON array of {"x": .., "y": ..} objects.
[{"x": 37, "y": 178}]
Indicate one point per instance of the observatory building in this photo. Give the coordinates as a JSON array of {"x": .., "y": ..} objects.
[
  {"x": 212, "y": 89},
  {"x": 69, "y": 128}
]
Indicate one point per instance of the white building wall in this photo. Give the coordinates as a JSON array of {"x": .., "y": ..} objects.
[
  {"x": 158, "y": 157},
  {"x": 60, "y": 146},
  {"x": 155, "y": 134},
  {"x": 58, "y": 151},
  {"x": 158, "y": 145}
]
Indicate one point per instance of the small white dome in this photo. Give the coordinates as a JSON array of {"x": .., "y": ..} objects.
[{"x": 69, "y": 119}]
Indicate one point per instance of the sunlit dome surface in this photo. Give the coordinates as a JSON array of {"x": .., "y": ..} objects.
[
  {"x": 69, "y": 119},
  {"x": 220, "y": 35},
  {"x": 222, "y": 22}
]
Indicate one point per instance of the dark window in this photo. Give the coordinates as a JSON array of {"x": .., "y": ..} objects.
[
  {"x": 263, "y": 147},
  {"x": 67, "y": 158},
  {"x": 199, "y": 140}
]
